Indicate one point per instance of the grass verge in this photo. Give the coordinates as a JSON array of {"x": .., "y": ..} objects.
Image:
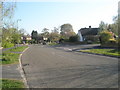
[
  {"x": 10, "y": 56},
  {"x": 52, "y": 44},
  {"x": 111, "y": 52},
  {"x": 7, "y": 83},
  {"x": 18, "y": 49}
]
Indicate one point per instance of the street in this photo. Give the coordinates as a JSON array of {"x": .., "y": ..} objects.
[{"x": 49, "y": 67}]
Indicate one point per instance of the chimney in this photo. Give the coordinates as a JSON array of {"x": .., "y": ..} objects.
[{"x": 89, "y": 27}]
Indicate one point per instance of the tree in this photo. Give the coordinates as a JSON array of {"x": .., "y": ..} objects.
[
  {"x": 45, "y": 33},
  {"x": 54, "y": 36},
  {"x": 114, "y": 26},
  {"x": 7, "y": 12},
  {"x": 55, "y": 30},
  {"x": 22, "y": 31},
  {"x": 16, "y": 37},
  {"x": 34, "y": 36},
  {"x": 66, "y": 28},
  {"x": 10, "y": 37},
  {"x": 103, "y": 26},
  {"x": 6, "y": 32},
  {"x": 66, "y": 31}
]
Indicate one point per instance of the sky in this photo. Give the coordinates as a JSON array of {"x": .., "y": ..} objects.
[{"x": 36, "y": 15}]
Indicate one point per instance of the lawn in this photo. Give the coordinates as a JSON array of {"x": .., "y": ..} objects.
[
  {"x": 111, "y": 52},
  {"x": 7, "y": 83},
  {"x": 18, "y": 49},
  {"x": 53, "y": 43},
  {"x": 10, "y": 56}
]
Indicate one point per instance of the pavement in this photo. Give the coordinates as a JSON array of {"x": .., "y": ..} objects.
[
  {"x": 74, "y": 47},
  {"x": 54, "y": 67},
  {"x": 11, "y": 71}
]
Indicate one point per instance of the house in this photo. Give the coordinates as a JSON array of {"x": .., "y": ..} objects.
[
  {"x": 88, "y": 34},
  {"x": 26, "y": 38}
]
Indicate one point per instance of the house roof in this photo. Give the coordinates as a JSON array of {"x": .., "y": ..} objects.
[
  {"x": 89, "y": 31},
  {"x": 26, "y": 36}
]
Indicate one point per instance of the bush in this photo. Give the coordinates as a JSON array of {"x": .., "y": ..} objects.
[
  {"x": 7, "y": 45},
  {"x": 112, "y": 41},
  {"x": 105, "y": 36},
  {"x": 118, "y": 41},
  {"x": 73, "y": 38}
]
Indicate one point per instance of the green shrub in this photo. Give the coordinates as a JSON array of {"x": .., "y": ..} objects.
[
  {"x": 7, "y": 45},
  {"x": 118, "y": 41},
  {"x": 112, "y": 41},
  {"x": 105, "y": 36},
  {"x": 73, "y": 38}
]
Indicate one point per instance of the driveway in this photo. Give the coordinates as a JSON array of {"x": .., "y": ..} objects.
[{"x": 48, "y": 67}]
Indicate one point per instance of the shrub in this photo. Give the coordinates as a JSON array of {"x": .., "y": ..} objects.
[
  {"x": 105, "y": 36},
  {"x": 112, "y": 41},
  {"x": 118, "y": 41},
  {"x": 73, "y": 38},
  {"x": 7, "y": 45}
]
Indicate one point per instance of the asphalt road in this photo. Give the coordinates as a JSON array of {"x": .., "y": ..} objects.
[{"x": 48, "y": 67}]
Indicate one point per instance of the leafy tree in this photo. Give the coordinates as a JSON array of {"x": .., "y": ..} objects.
[
  {"x": 10, "y": 37},
  {"x": 45, "y": 33},
  {"x": 103, "y": 26},
  {"x": 16, "y": 37},
  {"x": 66, "y": 28},
  {"x": 55, "y": 30},
  {"x": 7, "y": 12},
  {"x": 22, "y": 31},
  {"x": 34, "y": 36},
  {"x": 54, "y": 37},
  {"x": 6, "y": 32},
  {"x": 66, "y": 31},
  {"x": 114, "y": 27}
]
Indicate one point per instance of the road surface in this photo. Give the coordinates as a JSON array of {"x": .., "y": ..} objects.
[{"x": 48, "y": 67}]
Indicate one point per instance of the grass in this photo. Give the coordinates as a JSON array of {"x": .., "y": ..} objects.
[
  {"x": 53, "y": 43},
  {"x": 111, "y": 52},
  {"x": 0, "y": 56},
  {"x": 7, "y": 83},
  {"x": 18, "y": 49},
  {"x": 8, "y": 57}
]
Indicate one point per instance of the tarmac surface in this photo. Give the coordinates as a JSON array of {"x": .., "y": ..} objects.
[{"x": 59, "y": 67}]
